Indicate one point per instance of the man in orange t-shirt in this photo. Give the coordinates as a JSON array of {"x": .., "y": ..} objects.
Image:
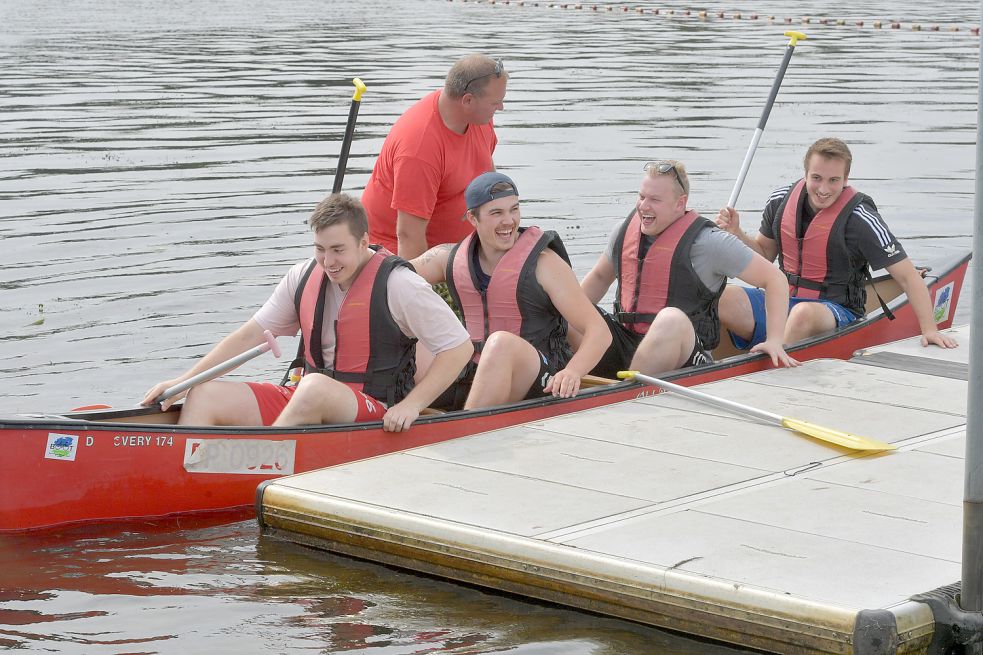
[{"x": 415, "y": 195}]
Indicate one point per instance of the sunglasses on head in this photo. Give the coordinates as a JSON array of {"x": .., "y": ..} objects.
[
  {"x": 497, "y": 72},
  {"x": 663, "y": 167}
]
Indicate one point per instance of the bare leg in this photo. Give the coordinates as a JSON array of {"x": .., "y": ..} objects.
[
  {"x": 507, "y": 368},
  {"x": 319, "y": 400},
  {"x": 735, "y": 312},
  {"x": 219, "y": 402},
  {"x": 806, "y": 319},
  {"x": 667, "y": 345}
]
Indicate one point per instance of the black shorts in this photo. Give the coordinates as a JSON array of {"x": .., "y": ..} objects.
[
  {"x": 624, "y": 343},
  {"x": 455, "y": 395}
]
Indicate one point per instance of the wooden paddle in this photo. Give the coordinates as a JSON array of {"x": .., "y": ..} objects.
[
  {"x": 794, "y": 37},
  {"x": 346, "y": 143},
  {"x": 845, "y": 439}
]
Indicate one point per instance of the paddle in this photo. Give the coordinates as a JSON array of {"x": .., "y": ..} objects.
[
  {"x": 224, "y": 367},
  {"x": 794, "y": 38},
  {"x": 346, "y": 143},
  {"x": 837, "y": 437}
]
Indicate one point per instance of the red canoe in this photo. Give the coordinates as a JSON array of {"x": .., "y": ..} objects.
[{"x": 102, "y": 465}]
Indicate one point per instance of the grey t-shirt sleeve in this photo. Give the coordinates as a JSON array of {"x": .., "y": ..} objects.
[
  {"x": 718, "y": 255},
  {"x": 609, "y": 249}
]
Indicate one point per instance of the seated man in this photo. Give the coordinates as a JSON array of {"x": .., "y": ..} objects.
[
  {"x": 360, "y": 312},
  {"x": 826, "y": 236},
  {"x": 517, "y": 293},
  {"x": 671, "y": 266}
]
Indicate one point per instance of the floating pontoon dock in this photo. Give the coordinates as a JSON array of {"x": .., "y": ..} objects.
[{"x": 679, "y": 515}]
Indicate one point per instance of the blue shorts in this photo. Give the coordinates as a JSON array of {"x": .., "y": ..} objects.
[{"x": 842, "y": 315}]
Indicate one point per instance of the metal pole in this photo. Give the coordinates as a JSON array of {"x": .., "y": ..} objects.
[
  {"x": 972, "y": 573},
  {"x": 794, "y": 37}
]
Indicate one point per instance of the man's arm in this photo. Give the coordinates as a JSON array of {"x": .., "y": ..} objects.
[
  {"x": 761, "y": 273},
  {"x": 247, "y": 336},
  {"x": 730, "y": 221},
  {"x": 559, "y": 282},
  {"x": 432, "y": 265},
  {"x": 596, "y": 283},
  {"x": 411, "y": 235},
  {"x": 442, "y": 372},
  {"x": 907, "y": 276}
]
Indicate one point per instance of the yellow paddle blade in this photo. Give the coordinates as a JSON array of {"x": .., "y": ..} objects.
[{"x": 844, "y": 439}]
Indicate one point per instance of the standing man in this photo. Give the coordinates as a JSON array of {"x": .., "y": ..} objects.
[
  {"x": 671, "y": 266},
  {"x": 826, "y": 236},
  {"x": 360, "y": 312},
  {"x": 415, "y": 195},
  {"x": 517, "y": 293}
]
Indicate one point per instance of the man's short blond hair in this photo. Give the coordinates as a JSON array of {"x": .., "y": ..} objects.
[
  {"x": 830, "y": 148},
  {"x": 337, "y": 209}
]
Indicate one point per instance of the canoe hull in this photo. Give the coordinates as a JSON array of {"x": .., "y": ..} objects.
[{"x": 98, "y": 466}]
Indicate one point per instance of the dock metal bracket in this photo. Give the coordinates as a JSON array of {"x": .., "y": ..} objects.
[{"x": 954, "y": 626}]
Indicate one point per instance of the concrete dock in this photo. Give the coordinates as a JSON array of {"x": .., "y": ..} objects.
[{"x": 676, "y": 514}]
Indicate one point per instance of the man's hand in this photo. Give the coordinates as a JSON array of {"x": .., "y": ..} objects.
[
  {"x": 160, "y": 388},
  {"x": 776, "y": 351},
  {"x": 939, "y": 339},
  {"x": 400, "y": 416},
  {"x": 564, "y": 384},
  {"x": 729, "y": 220}
]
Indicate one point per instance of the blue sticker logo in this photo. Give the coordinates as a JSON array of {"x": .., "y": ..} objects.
[{"x": 61, "y": 446}]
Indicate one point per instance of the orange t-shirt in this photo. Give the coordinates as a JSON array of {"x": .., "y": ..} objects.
[{"x": 423, "y": 169}]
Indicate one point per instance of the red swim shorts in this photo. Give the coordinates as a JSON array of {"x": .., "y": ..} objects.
[{"x": 272, "y": 398}]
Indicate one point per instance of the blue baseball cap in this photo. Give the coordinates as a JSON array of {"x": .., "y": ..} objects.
[{"x": 480, "y": 190}]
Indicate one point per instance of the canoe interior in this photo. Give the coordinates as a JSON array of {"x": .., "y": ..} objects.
[{"x": 881, "y": 285}]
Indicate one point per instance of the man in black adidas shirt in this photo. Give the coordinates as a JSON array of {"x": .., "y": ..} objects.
[{"x": 826, "y": 236}]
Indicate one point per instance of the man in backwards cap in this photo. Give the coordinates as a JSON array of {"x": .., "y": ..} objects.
[{"x": 517, "y": 293}]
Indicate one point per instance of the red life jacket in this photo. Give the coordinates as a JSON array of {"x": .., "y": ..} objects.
[
  {"x": 514, "y": 300},
  {"x": 664, "y": 278},
  {"x": 818, "y": 265},
  {"x": 371, "y": 353}
]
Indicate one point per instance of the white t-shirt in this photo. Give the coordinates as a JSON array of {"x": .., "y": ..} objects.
[{"x": 418, "y": 311}]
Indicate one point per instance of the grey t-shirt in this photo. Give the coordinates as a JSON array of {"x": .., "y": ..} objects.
[{"x": 716, "y": 255}]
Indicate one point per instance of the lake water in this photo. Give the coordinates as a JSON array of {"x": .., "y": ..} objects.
[{"x": 158, "y": 161}]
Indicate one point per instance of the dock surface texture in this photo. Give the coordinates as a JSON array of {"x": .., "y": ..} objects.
[{"x": 684, "y": 516}]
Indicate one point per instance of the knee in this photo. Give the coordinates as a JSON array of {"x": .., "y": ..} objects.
[
  {"x": 314, "y": 386},
  {"x": 500, "y": 344},
  {"x": 671, "y": 320}
]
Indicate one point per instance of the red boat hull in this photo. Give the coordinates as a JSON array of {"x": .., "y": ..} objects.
[{"x": 56, "y": 470}]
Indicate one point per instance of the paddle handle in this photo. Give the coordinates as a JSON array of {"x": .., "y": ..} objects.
[
  {"x": 223, "y": 368},
  {"x": 346, "y": 143},
  {"x": 794, "y": 38},
  {"x": 703, "y": 397}
]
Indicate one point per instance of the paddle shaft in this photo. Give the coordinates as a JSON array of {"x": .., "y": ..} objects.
[
  {"x": 346, "y": 143},
  {"x": 223, "y": 368},
  {"x": 712, "y": 400},
  {"x": 793, "y": 39}
]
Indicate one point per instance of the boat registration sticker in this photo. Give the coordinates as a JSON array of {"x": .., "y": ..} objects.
[
  {"x": 943, "y": 299},
  {"x": 61, "y": 446},
  {"x": 240, "y": 456}
]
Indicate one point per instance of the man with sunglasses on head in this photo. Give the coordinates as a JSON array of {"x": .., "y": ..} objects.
[
  {"x": 671, "y": 265},
  {"x": 415, "y": 195},
  {"x": 826, "y": 237}
]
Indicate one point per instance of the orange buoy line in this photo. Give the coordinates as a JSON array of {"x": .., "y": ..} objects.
[{"x": 737, "y": 15}]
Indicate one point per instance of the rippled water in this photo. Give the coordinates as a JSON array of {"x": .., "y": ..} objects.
[{"x": 157, "y": 163}]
